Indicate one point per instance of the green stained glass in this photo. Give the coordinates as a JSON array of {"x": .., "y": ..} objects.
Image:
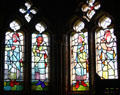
[
  {"x": 79, "y": 62},
  {"x": 13, "y": 67},
  {"x": 106, "y": 50},
  {"x": 40, "y": 62},
  {"x": 106, "y": 54}
]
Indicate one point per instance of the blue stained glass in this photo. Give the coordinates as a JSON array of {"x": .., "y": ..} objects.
[
  {"x": 28, "y": 11},
  {"x": 39, "y": 62},
  {"x": 13, "y": 73},
  {"x": 79, "y": 62},
  {"x": 41, "y": 65},
  {"x": 106, "y": 54},
  {"x": 41, "y": 83},
  {"x": 42, "y": 71}
]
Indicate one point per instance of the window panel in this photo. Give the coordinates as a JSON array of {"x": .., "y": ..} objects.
[
  {"x": 106, "y": 50},
  {"x": 40, "y": 59},
  {"x": 89, "y": 9},
  {"x": 79, "y": 59},
  {"x": 28, "y": 11},
  {"x": 13, "y": 66},
  {"x": 40, "y": 62}
]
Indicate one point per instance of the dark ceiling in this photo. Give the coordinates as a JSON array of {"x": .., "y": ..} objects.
[{"x": 56, "y": 9}]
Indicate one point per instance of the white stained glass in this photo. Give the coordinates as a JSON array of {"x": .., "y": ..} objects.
[
  {"x": 45, "y": 39},
  {"x": 39, "y": 27},
  {"x": 85, "y": 8},
  {"x": 14, "y": 53},
  {"x": 22, "y": 10},
  {"x": 33, "y": 11},
  {"x": 90, "y": 2},
  {"x": 106, "y": 52},
  {"x": 14, "y": 25},
  {"x": 90, "y": 14},
  {"x": 79, "y": 59},
  {"x": 104, "y": 22},
  {"x": 28, "y": 11},
  {"x": 79, "y": 26},
  {"x": 28, "y": 5},
  {"x": 39, "y": 59},
  {"x": 97, "y": 6},
  {"x": 28, "y": 17},
  {"x": 90, "y": 9}
]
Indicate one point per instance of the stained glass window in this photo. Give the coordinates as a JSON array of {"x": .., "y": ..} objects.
[
  {"x": 79, "y": 58},
  {"x": 40, "y": 59},
  {"x": 106, "y": 50},
  {"x": 14, "y": 53},
  {"x": 89, "y": 9},
  {"x": 28, "y": 11}
]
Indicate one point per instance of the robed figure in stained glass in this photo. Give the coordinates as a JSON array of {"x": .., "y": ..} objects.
[
  {"x": 39, "y": 59},
  {"x": 106, "y": 50},
  {"x": 13, "y": 56},
  {"x": 79, "y": 58},
  {"x": 13, "y": 74}
]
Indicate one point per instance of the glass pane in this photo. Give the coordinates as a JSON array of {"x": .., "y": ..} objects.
[
  {"x": 14, "y": 25},
  {"x": 106, "y": 54},
  {"x": 39, "y": 27},
  {"x": 79, "y": 62},
  {"x": 13, "y": 66},
  {"x": 28, "y": 11},
  {"x": 40, "y": 62},
  {"x": 89, "y": 9},
  {"x": 28, "y": 17}
]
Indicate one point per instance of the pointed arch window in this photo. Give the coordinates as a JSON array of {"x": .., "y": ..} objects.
[
  {"x": 14, "y": 74},
  {"x": 79, "y": 58},
  {"x": 106, "y": 49},
  {"x": 14, "y": 58},
  {"x": 103, "y": 56},
  {"x": 40, "y": 58}
]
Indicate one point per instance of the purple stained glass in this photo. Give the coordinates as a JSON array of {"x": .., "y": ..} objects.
[{"x": 40, "y": 61}]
